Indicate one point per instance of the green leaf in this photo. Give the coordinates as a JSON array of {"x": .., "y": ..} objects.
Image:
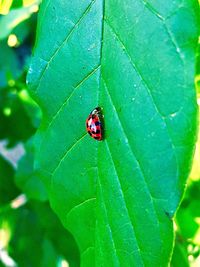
[
  {"x": 8, "y": 189},
  {"x": 180, "y": 254},
  {"x": 65, "y": 244},
  {"x": 26, "y": 233},
  {"x": 189, "y": 211},
  {"x": 16, "y": 124},
  {"x": 17, "y": 4},
  {"x": 136, "y": 60},
  {"x": 8, "y": 58},
  {"x": 14, "y": 18},
  {"x": 36, "y": 237},
  {"x": 27, "y": 179}
]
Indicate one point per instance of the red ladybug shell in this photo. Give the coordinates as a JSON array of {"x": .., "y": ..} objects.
[{"x": 94, "y": 124}]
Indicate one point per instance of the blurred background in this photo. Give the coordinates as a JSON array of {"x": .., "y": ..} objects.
[{"x": 30, "y": 233}]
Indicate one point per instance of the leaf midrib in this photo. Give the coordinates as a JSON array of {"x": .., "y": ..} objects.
[
  {"x": 64, "y": 42},
  {"x": 157, "y": 110},
  {"x": 110, "y": 155}
]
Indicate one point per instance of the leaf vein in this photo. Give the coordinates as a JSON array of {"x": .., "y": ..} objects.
[
  {"x": 171, "y": 37},
  {"x": 64, "y": 42},
  {"x": 133, "y": 154},
  {"x": 79, "y": 205},
  {"x": 152, "y": 10},
  {"x": 108, "y": 224},
  {"x": 73, "y": 91},
  {"x": 66, "y": 101},
  {"x": 67, "y": 152},
  {"x": 147, "y": 88},
  {"x": 125, "y": 203},
  {"x": 86, "y": 250}
]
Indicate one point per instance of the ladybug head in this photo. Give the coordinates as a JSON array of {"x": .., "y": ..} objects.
[{"x": 96, "y": 111}]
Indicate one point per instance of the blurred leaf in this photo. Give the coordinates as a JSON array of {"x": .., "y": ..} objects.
[
  {"x": 17, "y": 4},
  {"x": 31, "y": 242},
  {"x": 25, "y": 245},
  {"x": 136, "y": 60},
  {"x": 14, "y": 18},
  {"x": 179, "y": 257},
  {"x": 17, "y": 125},
  {"x": 188, "y": 211},
  {"x": 197, "y": 79},
  {"x": 9, "y": 64},
  {"x": 195, "y": 172},
  {"x": 8, "y": 189},
  {"x": 1, "y": 264},
  {"x": 5, "y": 6},
  {"x": 30, "y": 2},
  {"x": 27, "y": 179},
  {"x": 50, "y": 257},
  {"x": 65, "y": 244},
  {"x": 186, "y": 223},
  {"x": 23, "y": 30},
  {"x": 198, "y": 64},
  {"x": 31, "y": 108},
  {"x": 193, "y": 196}
]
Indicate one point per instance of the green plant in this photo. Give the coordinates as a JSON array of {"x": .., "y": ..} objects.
[{"x": 117, "y": 197}]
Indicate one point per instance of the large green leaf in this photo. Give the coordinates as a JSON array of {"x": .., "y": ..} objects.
[
  {"x": 135, "y": 59},
  {"x": 14, "y": 18}
]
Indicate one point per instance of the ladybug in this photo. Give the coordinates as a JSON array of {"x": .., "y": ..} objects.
[{"x": 94, "y": 124}]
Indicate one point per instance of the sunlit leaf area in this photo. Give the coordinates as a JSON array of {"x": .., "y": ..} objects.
[{"x": 31, "y": 234}]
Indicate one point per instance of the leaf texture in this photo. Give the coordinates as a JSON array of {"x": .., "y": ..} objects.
[{"x": 136, "y": 60}]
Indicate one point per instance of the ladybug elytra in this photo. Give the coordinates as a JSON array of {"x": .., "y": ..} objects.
[{"x": 94, "y": 124}]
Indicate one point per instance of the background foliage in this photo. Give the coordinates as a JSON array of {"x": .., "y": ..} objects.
[{"x": 30, "y": 233}]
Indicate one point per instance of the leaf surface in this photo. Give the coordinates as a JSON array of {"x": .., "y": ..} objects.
[{"x": 136, "y": 60}]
